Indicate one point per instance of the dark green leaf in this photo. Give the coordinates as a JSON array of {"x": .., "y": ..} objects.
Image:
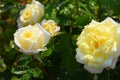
[
  {"x": 26, "y": 76},
  {"x": 36, "y": 72},
  {"x": 20, "y": 70}
]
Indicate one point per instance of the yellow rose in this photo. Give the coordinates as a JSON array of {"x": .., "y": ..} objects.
[
  {"x": 51, "y": 27},
  {"x": 32, "y": 14},
  {"x": 99, "y": 45},
  {"x": 31, "y": 39}
]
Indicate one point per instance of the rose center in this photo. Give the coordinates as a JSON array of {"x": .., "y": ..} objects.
[
  {"x": 96, "y": 45},
  {"x": 27, "y": 14},
  {"x": 46, "y": 26},
  {"x": 27, "y": 35}
]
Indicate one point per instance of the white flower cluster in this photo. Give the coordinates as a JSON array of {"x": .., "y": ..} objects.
[{"x": 32, "y": 37}]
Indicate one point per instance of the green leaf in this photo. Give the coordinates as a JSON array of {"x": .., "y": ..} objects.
[
  {"x": 82, "y": 20},
  {"x": 2, "y": 65},
  {"x": 47, "y": 62},
  {"x": 46, "y": 53},
  {"x": 26, "y": 76},
  {"x": 50, "y": 10},
  {"x": 7, "y": 6},
  {"x": 24, "y": 60},
  {"x": 14, "y": 78},
  {"x": 20, "y": 70},
  {"x": 36, "y": 72}
]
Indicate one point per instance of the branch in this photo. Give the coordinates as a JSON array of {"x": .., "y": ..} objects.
[{"x": 39, "y": 64}]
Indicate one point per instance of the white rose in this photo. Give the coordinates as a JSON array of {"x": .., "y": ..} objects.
[
  {"x": 31, "y": 39},
  {"x": 99, "y": 45},
  {"x": 51, "y": 27},
  {"x": 32, "y": 14}
]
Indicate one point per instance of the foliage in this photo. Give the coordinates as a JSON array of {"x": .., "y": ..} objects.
[{"x": 58, "y": 62}]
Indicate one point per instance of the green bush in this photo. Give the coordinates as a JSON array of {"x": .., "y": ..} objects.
[{"x": 58, "y": 62}]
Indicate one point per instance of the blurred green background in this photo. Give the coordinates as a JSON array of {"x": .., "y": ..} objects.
[{"x": 58, "y": 62}]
